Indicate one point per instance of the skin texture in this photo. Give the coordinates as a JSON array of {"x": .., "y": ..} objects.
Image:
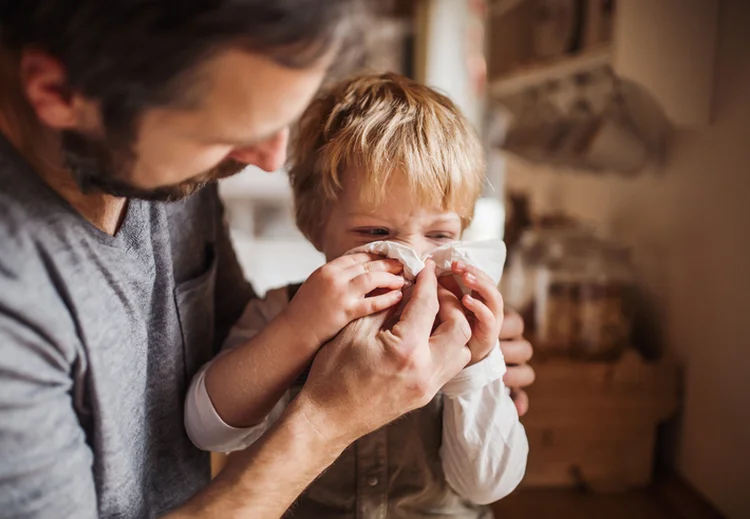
[{"x": 247, "y": 104}]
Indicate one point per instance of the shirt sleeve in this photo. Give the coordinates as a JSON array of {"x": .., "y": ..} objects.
[
  {"x": 484, "y": 447},
  {"x": 204, "y": 426},
  {"x": 46, "y": 467}
]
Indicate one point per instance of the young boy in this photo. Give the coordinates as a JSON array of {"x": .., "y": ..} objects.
[{"x": 376, "y": 158}]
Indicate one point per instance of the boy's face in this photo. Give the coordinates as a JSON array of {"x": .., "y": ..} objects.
[{"x": 398, "y": 217}]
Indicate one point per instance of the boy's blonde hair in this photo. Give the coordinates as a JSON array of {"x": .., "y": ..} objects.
[{"x": 381, "y": 127}]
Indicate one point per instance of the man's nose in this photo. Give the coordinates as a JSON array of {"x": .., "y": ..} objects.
[{"x": 268, "y": 155}]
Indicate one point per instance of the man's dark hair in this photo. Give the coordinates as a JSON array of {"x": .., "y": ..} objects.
[{"x": 134, "y": 54}]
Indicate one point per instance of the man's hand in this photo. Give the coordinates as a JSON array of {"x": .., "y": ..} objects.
[
  {"x": 336, "y": 294},
  {"x": 517, "y": 352},
  {"x": 368, "y": 376}
]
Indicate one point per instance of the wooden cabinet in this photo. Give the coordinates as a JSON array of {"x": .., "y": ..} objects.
[{"x": 594, "y": 425}]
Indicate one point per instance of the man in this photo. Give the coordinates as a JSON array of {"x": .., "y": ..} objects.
[{"x": 111, "y": 298}]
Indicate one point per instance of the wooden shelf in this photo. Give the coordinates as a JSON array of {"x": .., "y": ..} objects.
[
  {"x": 555, "y": 70},
  {"x": 664, "y": 48}
]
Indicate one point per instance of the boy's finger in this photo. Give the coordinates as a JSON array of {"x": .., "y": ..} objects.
[
  {"x": 366, "y": 283},
  {"x": 461, "y": 268},
  {"x": 350, "y": 260},
  {"x": 379, "y": 303},
  {"x": 378, "y": 265},
  {"x": 486, "y": 289},
  {"x": 480, "y": 310},
  {"x": 365, "y": 262}
]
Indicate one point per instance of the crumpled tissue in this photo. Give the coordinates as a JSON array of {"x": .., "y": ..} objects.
[{"x": 488, "y": 256}]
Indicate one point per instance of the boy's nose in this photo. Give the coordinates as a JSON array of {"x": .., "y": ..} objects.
[
  {"x": 419, "y": 245},
  {"x": 268, "y": 155}
]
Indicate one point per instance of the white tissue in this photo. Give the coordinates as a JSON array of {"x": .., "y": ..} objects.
[{"x": 488, "y": 256}]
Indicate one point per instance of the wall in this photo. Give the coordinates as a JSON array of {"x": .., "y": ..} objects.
[
  {"x": 688, "y": 220},
  {"x": 446, "y": 28}
]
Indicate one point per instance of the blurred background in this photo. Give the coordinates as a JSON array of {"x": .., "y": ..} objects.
[{"x": 617, "y": 140}]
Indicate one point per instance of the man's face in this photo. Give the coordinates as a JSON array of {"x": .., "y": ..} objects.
[{"x": 245, "y": 107}]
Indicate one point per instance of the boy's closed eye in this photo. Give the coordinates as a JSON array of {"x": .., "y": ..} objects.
[
  {"x": 372, "y": 231},
  {"x": 382, "y": 232},
  {"x": 441, "y": 236}
]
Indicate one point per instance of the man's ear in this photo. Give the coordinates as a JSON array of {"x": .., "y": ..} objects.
[{"x": 44, "y": 83}]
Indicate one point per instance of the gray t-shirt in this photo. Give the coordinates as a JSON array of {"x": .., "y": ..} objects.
[{"x": 99, "y": 338}]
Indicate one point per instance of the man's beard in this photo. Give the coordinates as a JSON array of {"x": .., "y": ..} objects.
[{"x": 98, "y": 167}]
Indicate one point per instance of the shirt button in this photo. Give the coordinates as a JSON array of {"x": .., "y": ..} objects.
[{"x": 372, "y": 481}]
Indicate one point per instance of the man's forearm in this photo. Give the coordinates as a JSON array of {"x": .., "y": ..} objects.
[{"x": 263, "y": 481}]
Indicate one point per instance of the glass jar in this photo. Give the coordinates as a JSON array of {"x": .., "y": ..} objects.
[
  {"x": 534, "y": 250},
  {"x": 606, "y": 306},
  {"x": 583, "y": 301}
]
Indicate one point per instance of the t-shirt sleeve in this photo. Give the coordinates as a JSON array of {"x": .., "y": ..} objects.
[{"x": 46, "y": 468}]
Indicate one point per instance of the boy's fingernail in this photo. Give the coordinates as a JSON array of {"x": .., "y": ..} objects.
[
  {"x": 471, "y": 278},
  {"x": 460, "y": 265}
]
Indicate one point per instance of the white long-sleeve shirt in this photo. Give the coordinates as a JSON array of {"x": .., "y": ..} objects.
[{"x": 484, "y": 447}]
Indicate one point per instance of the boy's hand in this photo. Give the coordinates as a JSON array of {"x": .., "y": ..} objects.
[
  {"x": 336, "y": 294},
  {"x": 486, "y": 306}
]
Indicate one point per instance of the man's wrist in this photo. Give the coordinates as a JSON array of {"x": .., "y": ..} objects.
[
  {"x": 325, "y": 435},
  {"x": 264, "y": 479}
]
